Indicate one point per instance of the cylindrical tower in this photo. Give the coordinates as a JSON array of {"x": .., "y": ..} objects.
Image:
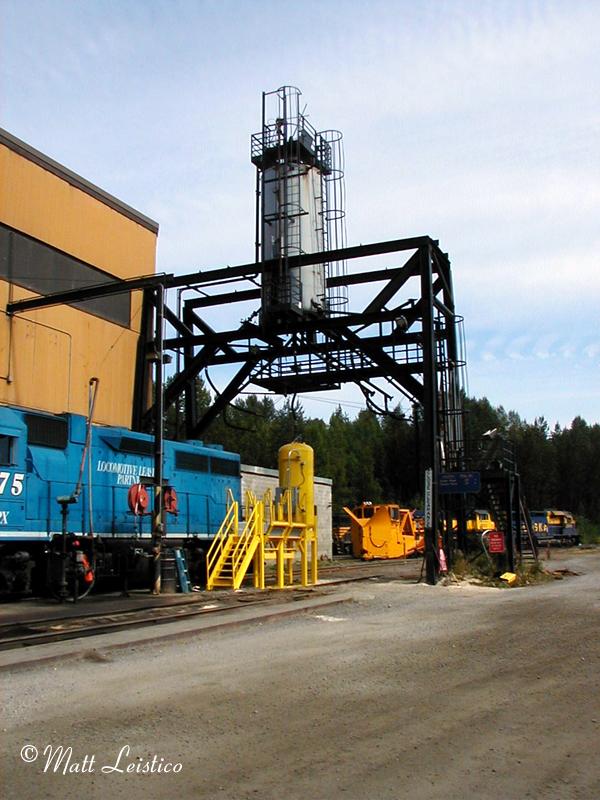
[{"x": 294, "y": 213}]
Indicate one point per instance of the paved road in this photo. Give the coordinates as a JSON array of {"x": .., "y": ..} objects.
[{"x": 406, "y": 692}]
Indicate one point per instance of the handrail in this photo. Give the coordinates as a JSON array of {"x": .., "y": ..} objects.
[
  {"x": 247, "y": 539},
  {"x": 228, "y": 527},
  {"x": 249, "y": 502},
  {"x": 268, "y": 508},
  {"x": 281, "y": 508},
  {"x": 267, "y": 523},
  {"x": 233, "y": 548}
]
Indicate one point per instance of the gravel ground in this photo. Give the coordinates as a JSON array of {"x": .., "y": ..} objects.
[{"x": 409, "y": 691}]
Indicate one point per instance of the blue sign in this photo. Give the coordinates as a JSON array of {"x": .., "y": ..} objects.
[{"x": 459, "y": 482}]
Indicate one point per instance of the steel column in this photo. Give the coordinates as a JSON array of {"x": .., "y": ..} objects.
[
  {"x": 430, "y": 457},
  {"x": 158, "y": 527}
]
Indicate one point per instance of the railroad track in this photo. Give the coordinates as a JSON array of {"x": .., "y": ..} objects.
[
  {"x": 56, "y": 629},
  {"x": 48, "y": 630}
]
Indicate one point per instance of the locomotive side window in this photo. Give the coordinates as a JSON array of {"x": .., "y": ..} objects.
[
  {"x": 224, "y": 466},
  {"x": 7, "y": 450},
  {"x": 192, "y": 461},
  {"x": 142, "y": 447},
  {"x": 47, "y": 431}
]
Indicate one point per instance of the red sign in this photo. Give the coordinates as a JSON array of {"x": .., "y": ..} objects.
[{"x": 496, "y": 542}]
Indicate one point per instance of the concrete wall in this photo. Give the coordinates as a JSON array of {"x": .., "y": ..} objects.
[{"x": 259, "y": 479}]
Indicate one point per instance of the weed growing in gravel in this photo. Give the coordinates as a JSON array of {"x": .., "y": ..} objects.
[
  {"x": 482, "y": 571},
  {"x": 532, "y": 573}
]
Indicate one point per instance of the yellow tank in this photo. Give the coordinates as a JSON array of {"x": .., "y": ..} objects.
[
  {"x": 297, "y": 474},
  {"x": 384, "y": 531}
]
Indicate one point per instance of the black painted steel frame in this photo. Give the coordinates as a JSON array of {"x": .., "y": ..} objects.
[{"x": 411, "y": 345}]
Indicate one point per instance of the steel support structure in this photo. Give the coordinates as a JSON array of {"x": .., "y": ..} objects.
[
  {"x": 158, "y": 515},
  {"x": 401, "y": 344}
]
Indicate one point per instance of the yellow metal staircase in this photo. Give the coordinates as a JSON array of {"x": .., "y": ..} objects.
[
  {"x": 270, "y": 533},
  {"x": 232, "y": 551}
]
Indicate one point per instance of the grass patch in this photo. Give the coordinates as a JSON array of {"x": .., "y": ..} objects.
[
  {"x": 482, "y": 571},
  {"x": 588, "y": 531},
  {"x": 528, "y": 574}
]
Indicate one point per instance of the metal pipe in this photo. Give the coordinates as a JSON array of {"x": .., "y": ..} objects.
[{"x": 158, "y": 511}]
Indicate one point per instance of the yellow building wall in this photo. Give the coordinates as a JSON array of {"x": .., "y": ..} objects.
[
  {"x": 48, "y": 356},
  {"x": 42, "y": 205}
]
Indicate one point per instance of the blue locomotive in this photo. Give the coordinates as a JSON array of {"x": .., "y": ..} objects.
[
  {"x": 554, "y": 527},
  {"x": 45, "y": 456}
]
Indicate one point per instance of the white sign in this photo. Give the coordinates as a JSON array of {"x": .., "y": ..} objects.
[
  {"x": 429, "y": 498},
  {"x": 16, "y": 485}
]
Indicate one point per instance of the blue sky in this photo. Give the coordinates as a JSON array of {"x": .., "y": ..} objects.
[{"x": 477, "y": 123}]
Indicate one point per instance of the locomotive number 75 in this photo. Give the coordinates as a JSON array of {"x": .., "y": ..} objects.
[{"x": 16, "y": 487}]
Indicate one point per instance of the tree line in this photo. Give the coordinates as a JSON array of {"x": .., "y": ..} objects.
[{"x": 370, "y": 457}]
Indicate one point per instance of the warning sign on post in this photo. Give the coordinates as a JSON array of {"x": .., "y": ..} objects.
[{"x": 496, "y": 542}]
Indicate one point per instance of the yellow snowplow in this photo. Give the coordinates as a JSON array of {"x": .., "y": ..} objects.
[{"x": 383, "y": 531}]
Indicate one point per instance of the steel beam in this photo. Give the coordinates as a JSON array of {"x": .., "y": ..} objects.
[
  {"x": 89, "y": 293},
  {"x": 249, "y": 331},
  {"x": 430, "y": 417},
  {"x": 396, "y": 282},
  {"x": 225, "y": 398},
  {"x": 253, "y": 269},
  {"x": 244, "y": 295}
]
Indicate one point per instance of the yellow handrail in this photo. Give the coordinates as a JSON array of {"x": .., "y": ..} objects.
[
  {"x": 268, "y": 523},
  {"x": 232, "y": 548},
  {"x": 229, "y": 527},
  {"x": 247, "y": 539}
]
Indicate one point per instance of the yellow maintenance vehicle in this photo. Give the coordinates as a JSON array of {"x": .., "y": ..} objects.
[
  {"x": 384, "y": 531},
  {"x": 479, "y": 520}
]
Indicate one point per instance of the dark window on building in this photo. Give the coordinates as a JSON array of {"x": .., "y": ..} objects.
[
  {"x": 7, "y": 450},
  {"x": 224, "y": 466},
  {"x": 47, "y": 431},
  {"x": 195, "y": 462},
  {"x": 37, "y": 266},
  {"x": 143, "y": 447}
]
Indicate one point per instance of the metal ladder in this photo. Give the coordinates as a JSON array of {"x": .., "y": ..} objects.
[
  {"x": 182, "y": 571},
  {"x": 527, "y": 543}
]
